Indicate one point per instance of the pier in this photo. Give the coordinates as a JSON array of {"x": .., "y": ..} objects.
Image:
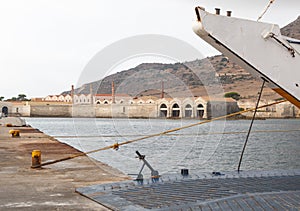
[{"x": 48, "y": 188}]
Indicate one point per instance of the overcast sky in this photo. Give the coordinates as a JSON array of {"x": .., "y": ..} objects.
[{"x": 45, "y": 45}]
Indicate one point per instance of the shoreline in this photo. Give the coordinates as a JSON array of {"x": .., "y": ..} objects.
[
  {"x": 51, "y": 187},
  {"x": 167, "y": 118}
]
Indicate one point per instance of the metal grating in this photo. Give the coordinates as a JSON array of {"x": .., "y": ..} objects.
[{"x": 201, "y": 193}]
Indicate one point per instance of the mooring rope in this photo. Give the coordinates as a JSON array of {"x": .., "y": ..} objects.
[
  {"x": 266, "y": 9},
  {"x": 181, "y": 134},
  {"x": 117, "y": 145},
  {"x": 235, "y": 132}
]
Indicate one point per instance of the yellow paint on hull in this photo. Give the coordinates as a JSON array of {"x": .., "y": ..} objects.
[{"x": 288, "y": 96}]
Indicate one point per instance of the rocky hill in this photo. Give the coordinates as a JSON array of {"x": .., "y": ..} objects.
[
  {"x": 292, "y": 29},
  {"x": 213, "y": 75}
]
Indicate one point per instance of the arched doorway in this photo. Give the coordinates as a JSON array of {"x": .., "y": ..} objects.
[
  {"x": 175, "y": 110},
  {"x": 4, "y": 111},
  {"x": 188, "y": 111},
  {"x": 200, "y": 111},
  {"x": 163, "y": 110}
]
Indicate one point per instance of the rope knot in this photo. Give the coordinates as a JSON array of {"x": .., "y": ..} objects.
[{"x": 115, "y": 146}]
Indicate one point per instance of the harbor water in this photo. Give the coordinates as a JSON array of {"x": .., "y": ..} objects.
[{"x": 215, "y": 146}]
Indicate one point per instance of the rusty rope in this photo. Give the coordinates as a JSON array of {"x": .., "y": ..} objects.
[{"x": 266, "y": 9}]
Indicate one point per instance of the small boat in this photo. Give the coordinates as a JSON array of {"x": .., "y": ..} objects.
[{"x": 258, "y": 47}]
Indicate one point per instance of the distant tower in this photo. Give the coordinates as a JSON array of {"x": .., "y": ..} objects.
[
  {"x": 91, "y": 93},
  {"x": 162, "y": 89},
  {"x": 113, "y": 92},
  {"x": 72, "y": 93}
]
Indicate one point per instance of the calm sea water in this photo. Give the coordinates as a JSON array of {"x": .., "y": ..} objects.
[{"x": 215, "y": 146}]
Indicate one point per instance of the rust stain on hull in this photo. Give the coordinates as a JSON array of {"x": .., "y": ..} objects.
[{"x": 287, "y": 96}]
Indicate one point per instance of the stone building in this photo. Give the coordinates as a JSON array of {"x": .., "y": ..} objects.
[
  {"x": 182, "y": 107},
  {"x": 109, "y": 99},
  {"x": 152, "y": 107},
  {"x": 282, "y": 110},
  {"x": 198, "y": 107},
  {"x": 14, "y": 108},
  {"x": 124, "y": 106},
  {"x": 57, "y": 98},
  {"x": 5, "y": 108}
]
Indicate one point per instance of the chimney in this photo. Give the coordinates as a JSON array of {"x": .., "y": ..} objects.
[
  {"x": 217, "y": 11},
  {"x": 72, "y": 93},
  {"x": 229, "y": 13},
  {"x": 162, "y": 89},
  {"x": 91, "y": 93},
  {"x": 113, "y": 92}
]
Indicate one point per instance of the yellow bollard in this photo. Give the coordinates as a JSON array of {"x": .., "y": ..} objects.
[
  {"x": 36, "y": 158},
  {"x": 14, "y": 133}
]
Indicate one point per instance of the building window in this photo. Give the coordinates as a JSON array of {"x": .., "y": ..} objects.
[
  {"x": 188, "y": 111},
  {"x": 200, "y": 111},
  {"x": 175, "y": 110},
  {"x": 163, "y": 110},
  {"x": 5, "y": 111}
]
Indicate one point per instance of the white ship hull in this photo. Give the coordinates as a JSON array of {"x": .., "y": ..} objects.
[{"x": 257, "y": 47}]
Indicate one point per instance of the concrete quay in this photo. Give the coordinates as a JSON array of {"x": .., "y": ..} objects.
[{"x": 51, "y": 187}]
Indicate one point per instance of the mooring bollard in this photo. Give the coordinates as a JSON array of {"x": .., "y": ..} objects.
[
  {"x": 14, "y": 133},
  {"x": 36, "y": 157},
  {"x": 185, "y": 172}
]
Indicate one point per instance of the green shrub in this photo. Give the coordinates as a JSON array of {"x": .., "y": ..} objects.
[{"x": 233, "y": 95}]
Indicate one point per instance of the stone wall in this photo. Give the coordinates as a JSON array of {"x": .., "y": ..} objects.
[
  {"x": 221, "y": 108},
  {"x": 115, "y": 110},
  {"x": 82, "y": 111},
  {"x": 50, "y": 110},
  {"x": 187, "y": 109},
  {"x": 21, "y": 110},
  {"x": 104, "y": 111},
  {"x": 143, "y": 111},
  {"x": 282, "y": 110}
]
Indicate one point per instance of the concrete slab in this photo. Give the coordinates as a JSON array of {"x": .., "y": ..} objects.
[
  {"x": 14, "y": 121},
  {"x": 52, "y": 187}
]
